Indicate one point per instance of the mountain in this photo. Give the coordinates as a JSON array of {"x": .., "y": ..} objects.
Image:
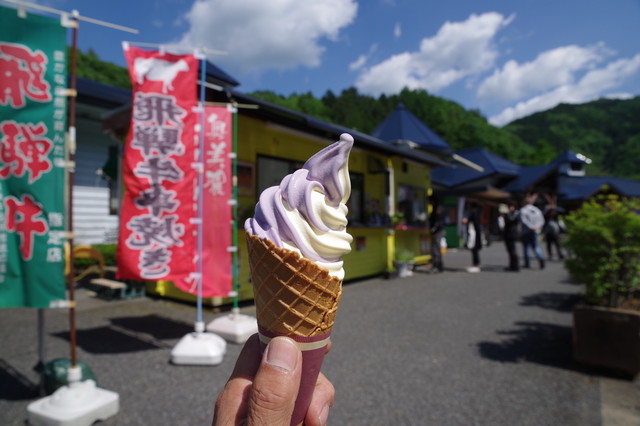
[{"x": 607, "y": 131}]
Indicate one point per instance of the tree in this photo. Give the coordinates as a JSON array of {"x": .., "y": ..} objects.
[{"x": 89, "y": 66}]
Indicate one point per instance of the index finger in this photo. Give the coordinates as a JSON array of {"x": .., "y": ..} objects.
[{"x": 231, "y": 405}]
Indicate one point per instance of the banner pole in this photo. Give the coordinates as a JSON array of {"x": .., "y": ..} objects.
[
  {"x": 203, "y": 65},
  {"x": 234, "y": 327},
  {"x": 42, "y": 350},
  {"x": 234, "y": 214},
  {"x": 71, "y": 174}
]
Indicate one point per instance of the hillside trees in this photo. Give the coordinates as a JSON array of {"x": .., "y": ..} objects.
[
  {"x": 606, "y": 130},
  {"x": 89, "y": 66},
  {"x": 457, "y": 126}
]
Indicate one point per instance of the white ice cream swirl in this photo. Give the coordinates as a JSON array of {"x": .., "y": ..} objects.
[{"x": 307, "y": 213}]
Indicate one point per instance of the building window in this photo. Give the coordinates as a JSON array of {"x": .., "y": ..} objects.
[
  {"x": 356, "y": 200},
  {"x": 244, "y": 172},
  {"x": 412, "y": 204},
  {"x": 272, "y": 170}
]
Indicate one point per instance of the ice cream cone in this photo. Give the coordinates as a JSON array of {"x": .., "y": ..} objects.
[{"x": 295, "y": 298}]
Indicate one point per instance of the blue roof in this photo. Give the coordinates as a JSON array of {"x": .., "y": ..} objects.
[
  {"x": 402, "y": 125},
  {"x": 529, "y": 176},
  {"x": 492, "y": 164},
  {"x": 218, "y": 74},
  {"x": 569, "y": 156},
  {"x": 100, "y": 94},
  {"x": 580, "y": 188}
]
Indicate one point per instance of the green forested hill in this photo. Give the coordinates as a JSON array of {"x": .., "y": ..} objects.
[
  {"x": 89, "y": 66},
  {"x": 459, "y": 127},
  {"x": 606, "y": 130}
]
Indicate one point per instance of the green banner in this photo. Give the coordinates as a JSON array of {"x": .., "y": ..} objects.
[{"x": 32, "y": 153}]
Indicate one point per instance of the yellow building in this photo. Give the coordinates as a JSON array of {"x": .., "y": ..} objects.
[{"x": 390, "y": 186}]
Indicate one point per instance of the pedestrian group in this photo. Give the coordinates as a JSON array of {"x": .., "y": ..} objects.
[{"x": 525, "y": 225}]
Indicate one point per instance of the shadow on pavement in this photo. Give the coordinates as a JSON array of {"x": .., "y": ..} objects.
[
  {"x": 108, "y": 340},
  {"x": 547, "y": 344},
  {"x": 160, "y": 328},
  {"x": 14, "y": 386},
  {"x": 563, "y": 302}
]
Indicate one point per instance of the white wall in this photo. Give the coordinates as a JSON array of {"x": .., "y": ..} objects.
[{"x": 92, "y": 222}]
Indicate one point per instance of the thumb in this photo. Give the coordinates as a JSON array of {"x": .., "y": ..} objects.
[{"x": 276, "y": 384}]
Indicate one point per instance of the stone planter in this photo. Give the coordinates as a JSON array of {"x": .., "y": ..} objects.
[{"x": 607, "y": 337}]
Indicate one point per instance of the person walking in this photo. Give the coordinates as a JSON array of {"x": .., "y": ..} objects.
[
  {"x": 436, "y": 226},
  {"x": 552, "y": 231},
  {"x": 532, "y": 221},
  {"x": 511, "y": 233},
  {"x": 474, "y": 235}
]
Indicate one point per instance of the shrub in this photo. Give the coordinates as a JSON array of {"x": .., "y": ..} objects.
[
  {"x": 108, "y": 252},
  {"x": 604, "y": 249},
  {"x": 404, "y": 255}
]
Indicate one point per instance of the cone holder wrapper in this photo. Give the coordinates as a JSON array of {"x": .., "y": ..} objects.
[{"x": 313, "y": 349}]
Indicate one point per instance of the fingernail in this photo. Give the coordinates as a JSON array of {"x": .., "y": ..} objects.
[
  {"x": 282, "y": 353},
  {"x": 324, "y": 415}
]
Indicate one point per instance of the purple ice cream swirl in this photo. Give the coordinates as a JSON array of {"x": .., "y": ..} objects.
[{"x": 307, "y": 213}]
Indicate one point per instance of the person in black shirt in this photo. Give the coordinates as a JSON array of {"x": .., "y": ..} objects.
[
  {"x": 511, "y": 234},
  {"x": 436, "y": 225}
]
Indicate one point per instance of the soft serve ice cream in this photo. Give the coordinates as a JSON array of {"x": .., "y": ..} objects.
[
  {"x": 307, "y": 213},
  {"x": 295, "y": 244}
]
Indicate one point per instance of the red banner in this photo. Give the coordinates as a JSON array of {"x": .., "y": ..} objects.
[
  {"x": 157, "y": 239},
  {"x": 216, "y": 214}
]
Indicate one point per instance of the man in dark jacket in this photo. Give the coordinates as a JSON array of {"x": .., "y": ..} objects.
[
  {"x": 511, "y": 234},
  {"x": 436, "y": 225}
]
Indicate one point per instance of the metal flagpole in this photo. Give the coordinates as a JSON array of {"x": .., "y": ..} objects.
[
  {"x": 79, "y": 401},
  {"x": 71, "y": 139},
  {"x": 21, "y": 4},
  {"x": 200, "y": 322},
  {"x": 71, "y": 92},
  {"x": 234, "y": 214},
  {"x": 200, "y": 348}
]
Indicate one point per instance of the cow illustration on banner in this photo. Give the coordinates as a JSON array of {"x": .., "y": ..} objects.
[
  {"x": 157, "y": 238},
  {"x": 216, "y": 202},
  {"x": 32, "y": 159}
]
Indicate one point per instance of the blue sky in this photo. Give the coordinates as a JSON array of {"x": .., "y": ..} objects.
[{"x": 507, "y": 59}]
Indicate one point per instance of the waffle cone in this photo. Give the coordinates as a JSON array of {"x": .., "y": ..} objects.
[{"x": 293, "y": 296}]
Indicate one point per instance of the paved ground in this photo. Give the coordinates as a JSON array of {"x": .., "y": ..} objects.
[{"x": 455, "y": 348}]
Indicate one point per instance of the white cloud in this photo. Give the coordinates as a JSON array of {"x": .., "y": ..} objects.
[
  {"x": 550, "y": 69},
  {"x": 593, "y": 85},
  {"x": 358, "y": 63},
  {"x": 458, "y": 50},
  {"x": 259, "y": 35},
  {"x": 363, "y": 59},
  {"x": 623, "y": 96},
  {"x": 397, "y": 30}
]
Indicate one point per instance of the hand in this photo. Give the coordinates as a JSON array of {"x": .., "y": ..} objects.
[{"x": 262, "y": 390}]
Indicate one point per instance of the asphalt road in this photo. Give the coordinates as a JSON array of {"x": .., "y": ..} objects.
[{"x": 454, "y": 348}]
